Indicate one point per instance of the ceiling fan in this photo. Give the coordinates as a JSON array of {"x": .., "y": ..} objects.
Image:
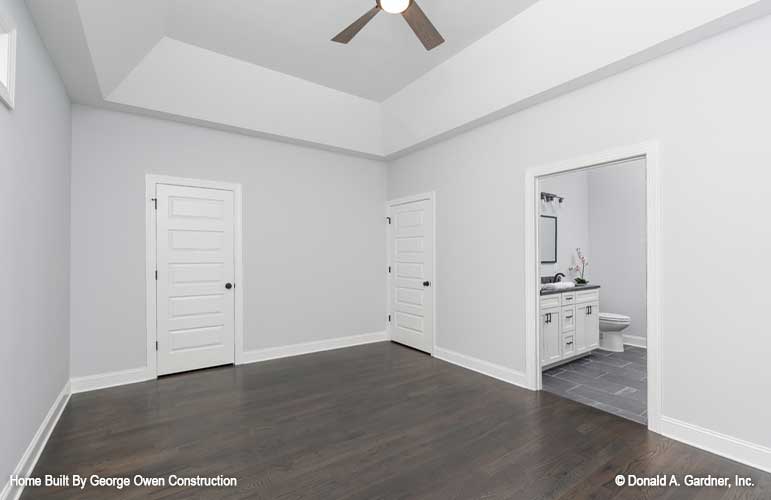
[{"x": 412, "y": 13}]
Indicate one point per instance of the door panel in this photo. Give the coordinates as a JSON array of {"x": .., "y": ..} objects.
[
  {"x": 551, "y": 337},
  {"x": 195, "y": 259},
  {"x": 587, "y": 327},
  {"x": 411, "y": 257}
]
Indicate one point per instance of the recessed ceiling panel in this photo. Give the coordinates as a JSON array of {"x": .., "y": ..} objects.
[
  {"x": 293, "y": 37},
  {"x": 120, "y": 33}
]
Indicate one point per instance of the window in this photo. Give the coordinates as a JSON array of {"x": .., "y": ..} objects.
[{"x": 7, "y": 60}]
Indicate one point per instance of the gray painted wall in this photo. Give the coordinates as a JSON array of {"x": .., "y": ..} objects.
[
  {"x": 572, "y": 220},
  {"x": 314, "y": 234},
  {"x": 714, "y": 145},
  {"x": 35, "y": 228},
  {"x": 604, "y": 215},
  {"x": 617, "y": 240}
]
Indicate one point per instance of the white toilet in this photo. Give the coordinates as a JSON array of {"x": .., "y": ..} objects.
[{"x": 611, "y": 326}]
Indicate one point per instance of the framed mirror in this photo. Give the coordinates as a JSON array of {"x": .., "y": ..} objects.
[{"x": 547, "y": 239}]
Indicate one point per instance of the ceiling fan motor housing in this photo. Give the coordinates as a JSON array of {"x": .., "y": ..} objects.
[{"x": 394, "y": 6}]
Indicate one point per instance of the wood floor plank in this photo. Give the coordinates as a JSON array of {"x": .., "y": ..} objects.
[{"x": 371, "y": 422}]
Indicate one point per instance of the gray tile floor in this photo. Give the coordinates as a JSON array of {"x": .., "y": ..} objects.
[{"x": 615, "y": 382}]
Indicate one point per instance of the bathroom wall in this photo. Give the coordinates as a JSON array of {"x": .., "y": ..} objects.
[
  {"x": 604, "y": 215},
  {"x": 617, "y": 219},
  {"x": 572, "y": 219}
]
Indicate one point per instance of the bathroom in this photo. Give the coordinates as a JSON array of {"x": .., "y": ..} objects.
[{"x": 592, "y": 244}]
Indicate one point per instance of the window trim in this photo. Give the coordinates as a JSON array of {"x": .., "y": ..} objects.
[{"x": 8, "y": 92}]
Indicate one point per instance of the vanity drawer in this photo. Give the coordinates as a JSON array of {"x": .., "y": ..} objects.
[
  {"x": 549, "y": 301},
  {"x": 568, "y": 299},
  {"x": 568, "y": 346},
  {"x": 587, "y": 296},
  {"x": 568, "y": 320}
]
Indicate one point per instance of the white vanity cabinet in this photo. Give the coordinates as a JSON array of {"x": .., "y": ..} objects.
[
  {"x": 570, "y": 324},
  {"x": 551, "y": 350},
  {"x": 587, "y": 327}
]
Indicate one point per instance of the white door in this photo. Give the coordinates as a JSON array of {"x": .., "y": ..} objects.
[
  {"x": 195, "y": 282},
  {"x": 411, "y": 261}
]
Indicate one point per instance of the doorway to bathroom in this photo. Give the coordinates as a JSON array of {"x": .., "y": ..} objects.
[{"x": 592, "y": 296}]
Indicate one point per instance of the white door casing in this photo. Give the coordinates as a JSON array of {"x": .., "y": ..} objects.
[
  {"x": 650, "y": 152},
  {"x": 411, "y": 243},
  {"x": 195, "y": 312}
]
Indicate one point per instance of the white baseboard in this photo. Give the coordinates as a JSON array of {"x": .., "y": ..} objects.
[
  {"x": 32, "y": 454},
  {"x": 105, "y": 380},
  {"x": 751, "y": 454},
  {"x": 484, "y": 367},
  {"x": 113, "y": 379},
  {"x": 636, "y": 341},
  {"x": 311, "y": 347}
]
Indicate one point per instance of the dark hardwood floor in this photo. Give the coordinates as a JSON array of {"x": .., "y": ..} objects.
[{"x": 371, "y": 422}]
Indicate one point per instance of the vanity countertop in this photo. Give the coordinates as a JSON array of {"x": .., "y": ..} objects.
[{"x": 576, "y": 288}]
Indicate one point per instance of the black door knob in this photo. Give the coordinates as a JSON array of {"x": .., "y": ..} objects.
[
  {"x": 426, "y": 283},
  {"x": 228, "y": 285}
]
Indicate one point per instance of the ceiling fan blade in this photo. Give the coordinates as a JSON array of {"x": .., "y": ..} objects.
[
  {"x": 351, "y": 31},
  {"x": 422, "y": 26}
]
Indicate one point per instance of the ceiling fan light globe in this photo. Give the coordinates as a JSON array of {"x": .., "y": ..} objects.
[{"x": 394, "y": 6}]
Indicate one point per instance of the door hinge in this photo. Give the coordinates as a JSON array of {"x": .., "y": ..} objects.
[
  {"x": 388, "y": 220},
  {"x": 155, "y": 202},
  {"x": 389, "y": 318},
  {"x": 156, "y": 345},
  {"x": 389, "y": 269},
  {"x": 156, "y": 275}
]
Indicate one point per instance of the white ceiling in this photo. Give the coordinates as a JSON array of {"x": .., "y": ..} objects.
[
  {"x": 268, "y": 67},
  {"x": 293, "y": 37}
]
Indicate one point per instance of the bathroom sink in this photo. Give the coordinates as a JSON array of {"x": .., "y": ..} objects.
[{"x": 560, "y": 285}]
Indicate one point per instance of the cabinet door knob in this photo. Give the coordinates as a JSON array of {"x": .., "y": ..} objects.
[{"x": 228, "y": 286}]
